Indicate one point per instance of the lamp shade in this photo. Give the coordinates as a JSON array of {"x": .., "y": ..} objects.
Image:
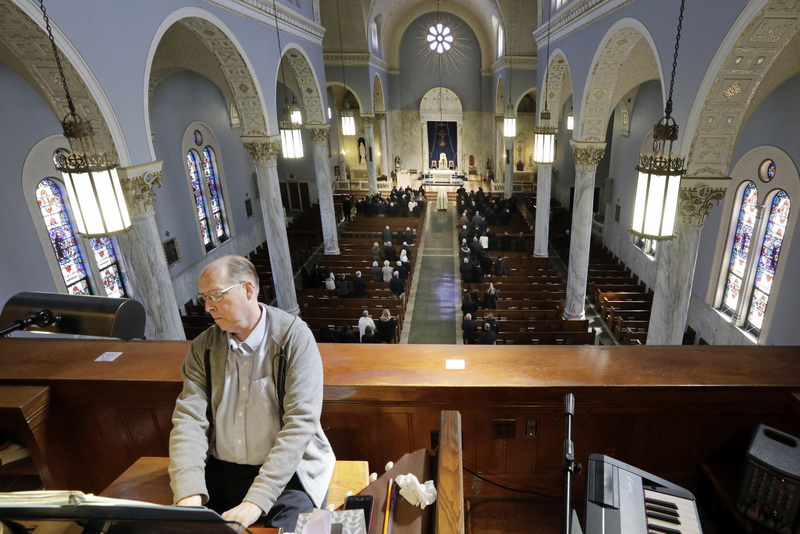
[
  {"x": 85, "y": 315},
  {"x": 348, "y": 123},
  {"x": 291, "y": 140},
  {"x": 509, "y": 126},
  {"x": 96, "y": 197},
  {"x": 544, "y": 145},
  {"x": 657, "y": 190}
]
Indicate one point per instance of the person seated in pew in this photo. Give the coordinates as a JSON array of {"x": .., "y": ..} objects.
[
  {"x": 520, "y": 245},
  {"x": 389, "y": 252},
  {"x": 411, "y": 236},
  {"x": 305, "y": 278},
  {"x": 402, "y": 269},
  {"x": 469, "y": 328},
  {"x": 404, "y": 255},
  {"x": 500, "y": 266},
  {"x": 505, "y": 242},
  {"x": 360, "y": 286},
  {"x": 490, "y": 298},
  {"x": 343, "y": 286},
  {"x": 468, "y": 306},
  {"x": 386, "y": 327},
  {"x": 330, "y": 282},
  {"x": 464, "y": 252},
  {"x": 364, "y": 322},
  {"x": 487, "y": 336},
  {"x": 369, "y": 336},
  {"x": 376, "y": 252},
  {"x": 376, "y": 271},
  {"x": 466, "y": 271},
  {"x": 386, "y": 271},
  {"x": 477, "y": 272},
  {"x": 492, "y": 322},
  {"x": 227, "y": 447},
  {"x": 396, "y": 285},
  {"x": 346, "y": 334}
]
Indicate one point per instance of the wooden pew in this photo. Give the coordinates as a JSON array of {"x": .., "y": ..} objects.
[
  {"x": 620, "y": 325},
  {"x": 615, "y": 312},
  {"x": 546, "y": 338}
]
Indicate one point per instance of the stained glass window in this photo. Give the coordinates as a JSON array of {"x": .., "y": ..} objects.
[
  {"x": 107, "y": 263},
  {"x": 768, "y": 260},
  {"x": 212, "y": 181},
  {"x": 193, "y": 163},
  {"x": 737, "y": 263},
  {"x": 62, "y": 237}
]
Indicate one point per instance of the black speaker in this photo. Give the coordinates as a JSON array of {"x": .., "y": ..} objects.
[{"x": 770, "y": 489}]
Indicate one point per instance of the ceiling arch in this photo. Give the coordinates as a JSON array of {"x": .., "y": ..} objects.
[{"x": 624, "y": 60}]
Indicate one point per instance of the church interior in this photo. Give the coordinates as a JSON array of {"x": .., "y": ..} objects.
[{"x": 580, "y": 197}]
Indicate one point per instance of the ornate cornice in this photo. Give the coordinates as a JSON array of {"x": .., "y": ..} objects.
[
  {"x": 137, "y": 184},
  {"x": 263, "y": 150},
  {"x": 319, "y": 133},
  {"x": 695, "y": 202},
  {"x": 587, "y": 155},
  {"x": 261, "y": 11}
]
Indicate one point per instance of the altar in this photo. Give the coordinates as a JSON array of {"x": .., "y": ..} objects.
[{"x": 442, "y": 177}]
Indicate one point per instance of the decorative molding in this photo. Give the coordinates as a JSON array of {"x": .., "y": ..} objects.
[
  {"x": 319, "y": 133},
  {"x": 440, "y": 104},
  {"x": 261, "y": 11},
  {"x": 263, "y": 150},
  {"x": 368, "y": 121},
  {"x": 309, "y": 88},
  {"x": 242, "y": 85},
  {"x": 137, "y": 184},
  {"x": 695, "y": 203},
  {"x": 587, "y": 155},
  {"x": 737, "y": 84}
]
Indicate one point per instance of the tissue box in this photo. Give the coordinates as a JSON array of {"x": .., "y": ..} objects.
[{"x": 342, "y": 522}]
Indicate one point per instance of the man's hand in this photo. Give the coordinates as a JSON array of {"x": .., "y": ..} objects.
[
  {"x": 192, "y": 500},
  {"x": 245, "y": 514}
]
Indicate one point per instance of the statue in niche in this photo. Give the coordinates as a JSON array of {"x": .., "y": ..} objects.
[
  {"x": 362, "y": 152},
  {"x": 471, "y": 160}
]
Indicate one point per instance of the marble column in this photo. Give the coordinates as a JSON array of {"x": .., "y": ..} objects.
[
  {"x": 587, "y": 156},
  {"x": 676, "y": 263},
  {"x": 387, "y": 162},
  {"x": 509, "y": 174},
  {"x": 542, "y": 228},
  {"x": 146, "y": 271},
  {"x": 369, "y": 137},
  {"x": 499, "y": 147},
  {"x": 264, "y": 151},
  {"x": 319, "y": 137}
]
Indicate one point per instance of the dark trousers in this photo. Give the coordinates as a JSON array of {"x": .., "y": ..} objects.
[{"x": 228, "y": 484}]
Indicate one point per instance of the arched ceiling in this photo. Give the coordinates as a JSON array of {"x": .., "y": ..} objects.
[{"x": 517, "y": 16}]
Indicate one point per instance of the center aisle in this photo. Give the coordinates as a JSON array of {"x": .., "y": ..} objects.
[{"x": 435, "y": 289}]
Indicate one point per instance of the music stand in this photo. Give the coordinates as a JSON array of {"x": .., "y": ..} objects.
[{"x": 570, "y": 467}]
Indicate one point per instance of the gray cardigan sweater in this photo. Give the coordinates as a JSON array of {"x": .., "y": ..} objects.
[{"x": 300, "y": 444}]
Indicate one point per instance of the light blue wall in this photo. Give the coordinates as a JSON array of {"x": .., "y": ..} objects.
[
  {"x": 419, "y": 74},
  {"x": 28, "y": 120},
  {"x": 178, "y": 101}
]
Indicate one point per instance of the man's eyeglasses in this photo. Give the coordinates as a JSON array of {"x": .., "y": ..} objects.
[{"x": 215, "y": 295}]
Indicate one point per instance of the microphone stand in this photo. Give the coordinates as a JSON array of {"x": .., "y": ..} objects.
[{"x": 569, "y": 465}]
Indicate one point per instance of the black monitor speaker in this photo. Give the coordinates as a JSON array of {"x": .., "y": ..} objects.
[{"x": 770, "y": 489}]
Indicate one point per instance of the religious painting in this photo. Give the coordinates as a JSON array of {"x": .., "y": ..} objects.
[{"x": 171, "y": 252}]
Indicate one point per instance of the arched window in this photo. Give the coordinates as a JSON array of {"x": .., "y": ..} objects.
[
  {"x": 737, "y": 263},
  {"x": 768, "y": 260},
  {"x": 205, "y": 182},
  {"x": 68, "y": 253}
]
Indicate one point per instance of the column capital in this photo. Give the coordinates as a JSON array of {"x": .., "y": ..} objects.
[
  {"x": 137, "y": 184},
  {"x": 263, "y": 150},
  {"x": 380, "y": 116},
  {"x": 587, "y": 155},
  {"x": 368, "y": 120},
  {"x": 319, "y": 133},
  {"x": 695, "y": 199}
]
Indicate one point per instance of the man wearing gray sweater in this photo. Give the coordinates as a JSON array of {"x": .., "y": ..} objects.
[{"x": 255, "y": 453}]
